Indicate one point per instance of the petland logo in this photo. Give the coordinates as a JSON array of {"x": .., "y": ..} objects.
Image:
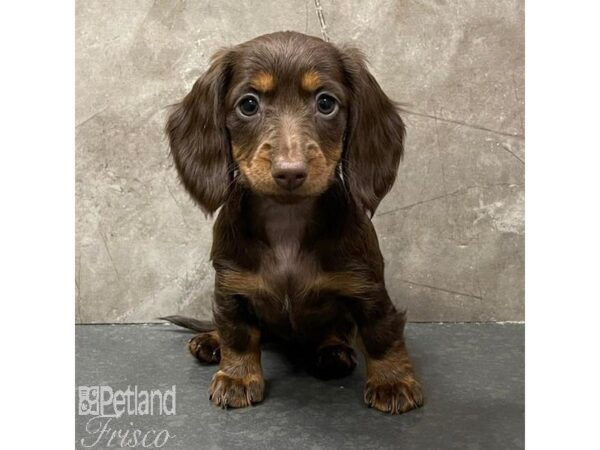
[{"x": 107, "y": 405}]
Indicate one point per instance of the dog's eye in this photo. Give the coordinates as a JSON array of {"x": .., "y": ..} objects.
[
  {"x": 248, "y": 105},
  {"x": 326, "y": 104}
]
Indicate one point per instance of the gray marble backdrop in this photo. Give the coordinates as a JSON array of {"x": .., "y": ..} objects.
[{"x": 452, "y": 228}]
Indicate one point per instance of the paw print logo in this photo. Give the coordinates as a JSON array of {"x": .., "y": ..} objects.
[{"x": 89, "y": 403}]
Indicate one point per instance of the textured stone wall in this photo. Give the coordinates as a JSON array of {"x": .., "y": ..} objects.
[{"x": 451, "y": 230}]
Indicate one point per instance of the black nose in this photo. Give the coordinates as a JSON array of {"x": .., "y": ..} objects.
[{"x": 289, "y": 175}]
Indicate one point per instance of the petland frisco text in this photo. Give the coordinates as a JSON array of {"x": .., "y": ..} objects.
[{"x": 106, "y": 404}]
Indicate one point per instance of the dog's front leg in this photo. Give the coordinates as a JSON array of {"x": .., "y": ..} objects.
[
  {"x": 391, "y": 384},
  {"x": 239, "y": 381}
]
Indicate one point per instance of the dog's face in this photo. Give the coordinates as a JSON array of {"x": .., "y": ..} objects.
[{"x": 284, "y": 114}]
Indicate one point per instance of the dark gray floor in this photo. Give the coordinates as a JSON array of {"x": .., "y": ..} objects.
[{"x": 473, "y": 376}]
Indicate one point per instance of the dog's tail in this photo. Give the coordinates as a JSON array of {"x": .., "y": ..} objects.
[{"x": 200, "y": 326}]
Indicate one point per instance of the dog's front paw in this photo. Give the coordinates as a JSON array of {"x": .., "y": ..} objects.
[
  {"x": 394, "y": 397},
  {"x": 227, "y": 391}
]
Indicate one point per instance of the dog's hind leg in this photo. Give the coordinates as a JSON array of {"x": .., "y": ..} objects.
[
  {"x": 333, "y": 355},
  {"x": 206, "y": 347},
  {"x": 334, "y": 358}
]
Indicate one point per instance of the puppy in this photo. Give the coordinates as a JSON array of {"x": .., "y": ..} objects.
[{"x": 295, "y": 141}]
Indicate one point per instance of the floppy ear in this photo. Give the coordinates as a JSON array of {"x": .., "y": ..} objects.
[
  {"x": 199, "y": 140},
  {"x": 374, "y": 137}
]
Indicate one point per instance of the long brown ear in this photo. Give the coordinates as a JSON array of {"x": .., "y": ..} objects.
[
  {"x": 374, "y": 138},
  {"x": 198, "y": 137}
]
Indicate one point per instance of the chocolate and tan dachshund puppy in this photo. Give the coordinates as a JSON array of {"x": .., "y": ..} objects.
[{"x": 295, "y": 141}]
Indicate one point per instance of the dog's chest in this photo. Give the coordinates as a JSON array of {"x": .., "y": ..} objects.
[
  {"x": 287, "y": 266},
  {"x": 290, "y": 273}
]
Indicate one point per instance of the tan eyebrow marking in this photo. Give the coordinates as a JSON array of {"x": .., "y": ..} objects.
[
  {"x": 311, "y": 81},
  {"x": 263, "y": 82}
]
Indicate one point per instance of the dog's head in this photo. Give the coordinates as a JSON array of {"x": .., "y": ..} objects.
[{"x": 284, "y": 114}]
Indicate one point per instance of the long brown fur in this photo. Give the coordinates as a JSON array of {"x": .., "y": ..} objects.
[{"x": 295, "y": 252}]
